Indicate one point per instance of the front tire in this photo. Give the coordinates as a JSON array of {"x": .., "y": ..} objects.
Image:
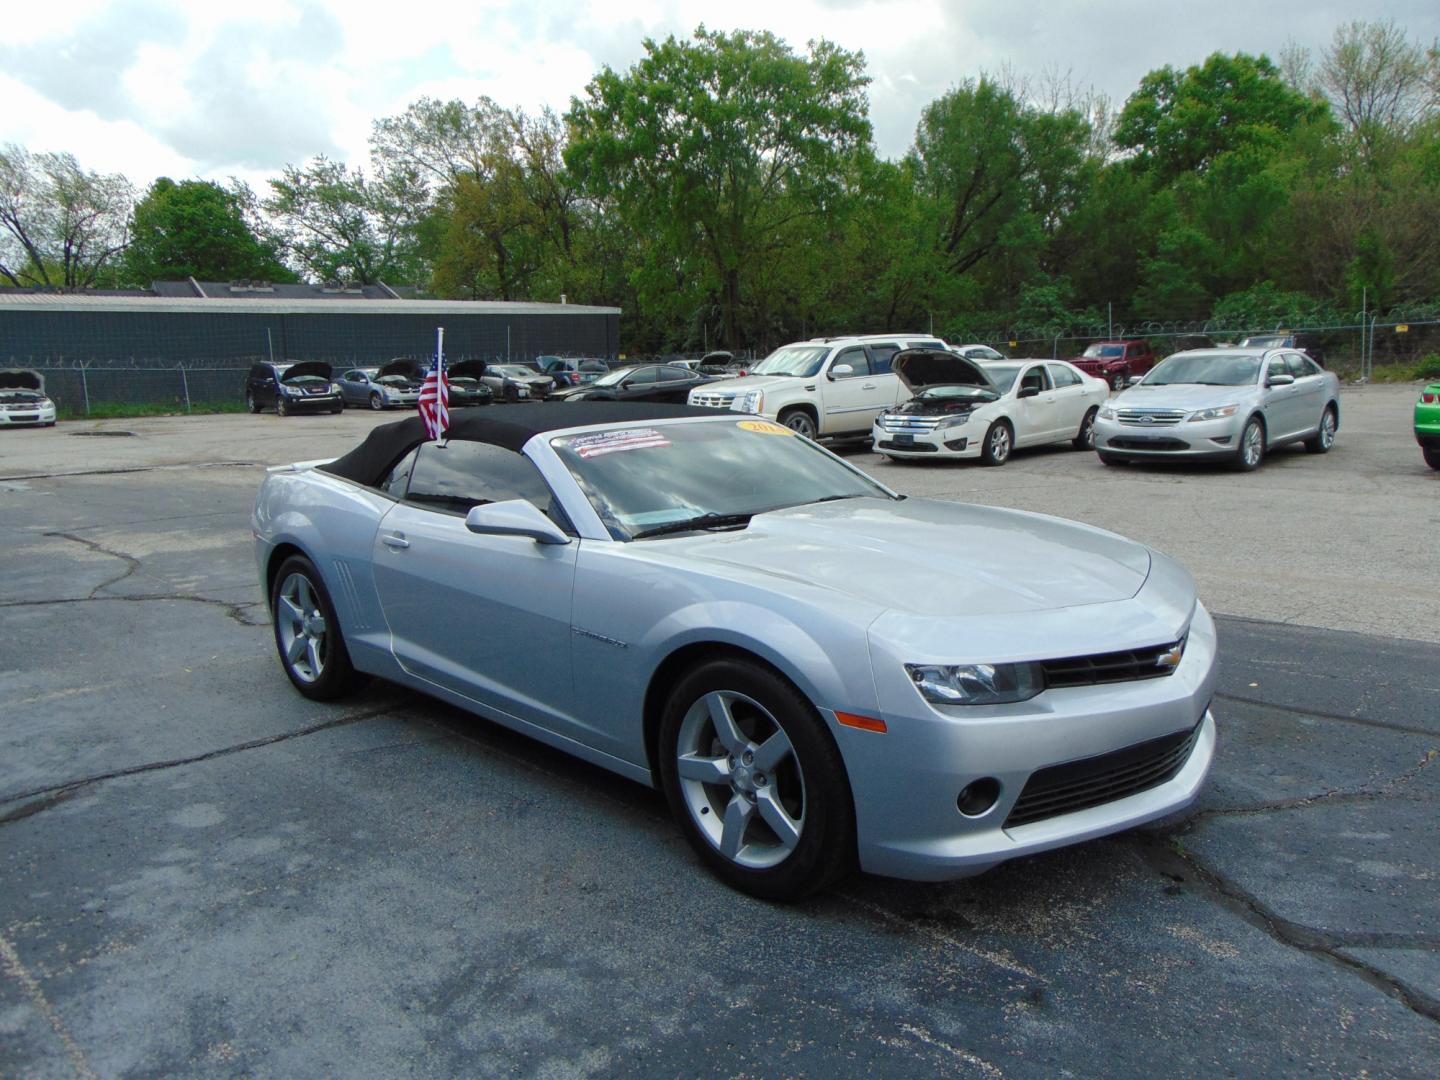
[
  {"x": 800, "y": 422},
  {"x": 1324, "y": 437},
  {"x": 281, "y": 409},
  {"x": 1085, "y": 437},
  {"x": 1432, "y": 457},
  {"x": 1118, "y": 380},
  {"x": 756, "y": 781},
  {"x": 999, "y": 442},
  {"x": 377, "y": 402},
  {"x": 307, "y": 633},
  {"x": 1251, "y": 451}
]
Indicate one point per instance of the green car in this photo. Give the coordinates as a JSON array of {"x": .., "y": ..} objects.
[{"x": 1427, "y": 424}]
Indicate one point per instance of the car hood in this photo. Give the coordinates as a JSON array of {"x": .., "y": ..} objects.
[
  {"x": 756, "y": 382},
  {"x": 22, "y": 379},
  {"x": 317, "y": 368},
  {"x": 1180, "y": 396},
  {"x": 469, "y": 369},
  {"x": 923, "y": 557},
  {"x": 404, "y": 366},
  {"x": 920, "y": 369}
]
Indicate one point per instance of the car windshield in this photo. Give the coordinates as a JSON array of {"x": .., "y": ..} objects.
[
  {"x": 802, "y": 361},
  {"x": 1003, "y": 376},
  {"x": 1104, "y": 352},
  {"x": 653, "y": 479},
  {"x": 1205, "y": 369},
  {"x": 614, "y": 377}
]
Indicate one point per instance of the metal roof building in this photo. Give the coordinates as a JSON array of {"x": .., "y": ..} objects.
[{"x": 211, "y": 324}]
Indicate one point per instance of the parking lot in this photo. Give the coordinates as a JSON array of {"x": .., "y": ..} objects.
[{"x": 203, "y": 873}]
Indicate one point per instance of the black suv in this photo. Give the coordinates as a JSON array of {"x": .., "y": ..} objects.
[
  {"x": 1288, "y": 339},
  {"x": 292, "y": 388}
]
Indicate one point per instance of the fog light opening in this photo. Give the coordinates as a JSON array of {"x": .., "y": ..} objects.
[{"x": 977, "y": 798}]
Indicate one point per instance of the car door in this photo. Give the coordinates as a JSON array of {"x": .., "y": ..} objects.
[
  {"x": 1282, "y": 403},
  {"x": 672, "y": 384},
  {"x": 853, "y": 401},
  {"x": 1036, "y": 407},
  {"x": 351, "y": 387},
  {"x": 1071, "y": 404},
  {"x": 487, "y": 617},
  {"x": 1310, "y": 387},
  {"x": 639, "y": 385},
  {"x": 267, "y": 386}
]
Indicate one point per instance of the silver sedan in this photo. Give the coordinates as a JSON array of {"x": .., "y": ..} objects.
[
  {"x": 1232, "y": 405},
  {"x": 818, "y": 673}
]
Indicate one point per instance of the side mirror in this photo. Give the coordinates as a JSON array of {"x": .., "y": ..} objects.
[
  {"x": 514, "y": 517},
  {"x": 1028, "y": 391},
  {"x": 1134, "y": 380},
  {"x": 1280, "y": 380},
  {"x": 841, "y": 371}
]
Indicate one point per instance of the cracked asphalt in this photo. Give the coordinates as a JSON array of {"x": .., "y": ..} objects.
[{"x": 202, "y": 873}]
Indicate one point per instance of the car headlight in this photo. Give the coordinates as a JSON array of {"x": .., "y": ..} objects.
[
  {"x": 952, "y": 421},
  {"x": 334, "y": 387},
  {"x": 1107, "y": 411},
  {"x": 751, "y": 401},
  {"x": 1215, "y": 414},
  {"x": 976, "y": 684}
]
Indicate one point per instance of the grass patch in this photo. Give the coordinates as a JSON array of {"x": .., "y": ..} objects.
[{"x": 118, "y": 410}]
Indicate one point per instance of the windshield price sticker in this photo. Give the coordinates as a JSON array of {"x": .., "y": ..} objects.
[
  {"x": 765, "y": 426},
  {"x": 612, "y": 442}
]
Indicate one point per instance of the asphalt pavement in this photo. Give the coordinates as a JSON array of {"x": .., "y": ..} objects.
[{"x": 202, "y": 873}]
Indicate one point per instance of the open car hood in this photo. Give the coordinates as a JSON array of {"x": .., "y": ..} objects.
[
  {"x": 22, "y": 379},
  {"x": 920, "y": 369},
  {"x": 467, "y": 369},
  {"x": 317, "y": 368},
  {"x": 404, "y": 365}
]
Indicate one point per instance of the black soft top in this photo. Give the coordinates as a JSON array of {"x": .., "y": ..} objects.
[{"x": 510, "y": 426}]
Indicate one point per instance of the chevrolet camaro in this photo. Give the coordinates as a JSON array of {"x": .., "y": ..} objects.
[{"x": 820, "y": 674}]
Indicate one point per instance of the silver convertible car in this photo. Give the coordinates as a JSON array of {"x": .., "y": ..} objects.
[
  {"x": 820, "y": 674},
  {"x": 1230, "y": 405}
]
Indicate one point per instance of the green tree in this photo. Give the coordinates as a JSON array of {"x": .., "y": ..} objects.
[
  {"x": 196, "y": 228},
  {"x": 60, "y": 225},
  {"x": 1179, "y": 122},
  {"x": 716, "y": 147}
]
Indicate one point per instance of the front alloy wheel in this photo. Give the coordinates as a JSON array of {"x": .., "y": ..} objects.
[
  {"x": 1324, "y": 436},
  {"x": 376, "y": 401},
  {"x": 799, "y": 421},
  {"x": 281, "y": 408},
  {"x": 307, "y": 633},
  {"x": 756, "y": 781},
  {"x": 1251, "y": 451},
  {"x": 999, "y": 441}
]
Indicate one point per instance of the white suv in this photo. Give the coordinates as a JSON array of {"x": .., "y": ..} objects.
[{"x": 823, "y": 387}]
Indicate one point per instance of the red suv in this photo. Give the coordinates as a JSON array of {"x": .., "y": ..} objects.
[{"x": 1116, "y": 361}]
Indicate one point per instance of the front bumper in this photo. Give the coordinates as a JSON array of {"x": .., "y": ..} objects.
[
  {"x": 27, "y": 417},
  {"x": 907, "y": 781},
  {"x": 315, "y": 402},
  {"x": 1187, "y": 440},
  {"x": 958, "y": 441},
  {"x": 1427, "y": 425}
]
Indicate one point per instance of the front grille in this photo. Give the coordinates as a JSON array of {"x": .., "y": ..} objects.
[
  {"x": 897, "y": 422},
  {"x": 712, "y": 401},
  {"x": 1124, "y": 666},
  {"x": 907, "y": 447},
  {"x": 1093, "y": 781},
  {"x": 1147, "y": 444},
  {"x": 1150, "y": 417}
]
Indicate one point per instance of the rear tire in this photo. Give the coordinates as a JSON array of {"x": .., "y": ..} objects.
[
  {"x": 307, "y": 633},
  {"x": 999, "y": 443},
  {"x": 1085, "y": 438},
  {"x": 1432, "y": 457},
  {"x": 756, "y": 781},
  {"x": 1324, "y": 438},
  {"x": 251, "y": 405}
]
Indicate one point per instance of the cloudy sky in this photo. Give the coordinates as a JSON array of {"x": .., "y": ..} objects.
[{"x": 150, "y": 88}]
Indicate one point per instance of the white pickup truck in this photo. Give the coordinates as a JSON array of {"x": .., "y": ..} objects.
[{"x": 820, "y": 388}]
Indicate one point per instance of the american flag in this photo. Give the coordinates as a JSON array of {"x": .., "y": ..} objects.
[{"x": 435, "y": 400}]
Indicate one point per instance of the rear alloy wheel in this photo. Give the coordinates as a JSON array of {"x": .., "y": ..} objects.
[
  {"x": 999, "y": 441},
  {"x": 1085, "y": 437},
  {"x": 377, "y": 402},
  {"x": 800, "y": 422},
  {"x": 1324, "y": 437},
  {"x": 756, "y": 781},
  {"x": 1251, "y": 451},
  {"x": 251, "y": 405},
  {"x": 307, "y": 634}
]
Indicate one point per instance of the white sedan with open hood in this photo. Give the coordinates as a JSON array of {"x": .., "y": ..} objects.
[
  {"x": 964, "y": 409},
  {"x": 23, "y": 401}
]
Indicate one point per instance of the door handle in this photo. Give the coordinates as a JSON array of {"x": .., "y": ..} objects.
[
  {"x": 395, "y": 540},
  {"x": 867, "y": 386}
]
